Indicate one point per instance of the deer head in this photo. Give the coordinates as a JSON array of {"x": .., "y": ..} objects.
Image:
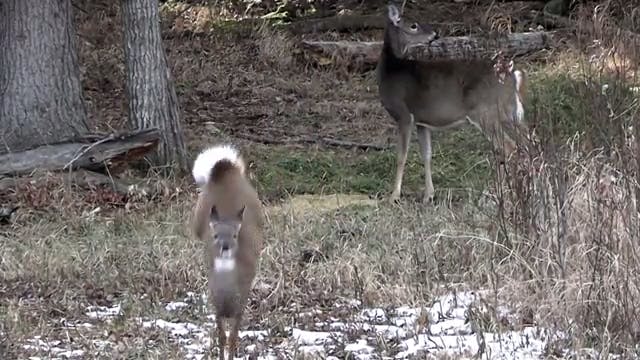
[
  {"x": 225, "y": 232},
  {"x": 401, "y": 32}
]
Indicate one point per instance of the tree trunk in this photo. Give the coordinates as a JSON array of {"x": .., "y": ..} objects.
[
  {"x": 40, "y": 92},
  {"x": 152, "y": 97}
]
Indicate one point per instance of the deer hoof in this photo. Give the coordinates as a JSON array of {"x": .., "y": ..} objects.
[{"x": 394, "y": 198}]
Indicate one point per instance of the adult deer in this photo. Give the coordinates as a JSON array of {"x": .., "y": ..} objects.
[{"x": 442, "y": 94}]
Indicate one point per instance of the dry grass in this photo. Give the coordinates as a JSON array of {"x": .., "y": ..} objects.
[
  {"x": 570, "y": 222},
  {"x": 55, "y": 269}
]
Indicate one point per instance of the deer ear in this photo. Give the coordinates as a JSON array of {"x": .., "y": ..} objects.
[
  {"x": 241, "y": 213},
  {"x": 393, "y": 14},
  {"x": 214, "y": 214}
]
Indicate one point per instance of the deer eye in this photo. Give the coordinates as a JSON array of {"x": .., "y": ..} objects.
[{"x": 414, "y": 26}]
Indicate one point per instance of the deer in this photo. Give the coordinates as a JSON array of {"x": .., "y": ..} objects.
[
  {"x": 228, "y": 217},
  {"x": 443, "y": 94}
]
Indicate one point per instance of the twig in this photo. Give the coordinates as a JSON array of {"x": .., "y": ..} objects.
[
  {"x": 79, "y": 8},
  {"x": 265, "y": 140},
  {"x": 350, "y": 144}
]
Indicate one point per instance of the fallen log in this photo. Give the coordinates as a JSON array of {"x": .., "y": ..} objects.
[
  {"x": 337, "y": 23},
  {"x": 467, "y": 47},
  {"x": 447, "y": 48},
  {"x": 112, "y": 151}
]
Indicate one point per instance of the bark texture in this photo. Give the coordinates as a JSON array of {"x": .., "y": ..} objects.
[
  {"x": 467, "y": 47},
  {"x": 40, "y": 92},
  {"x": 448, "y": 48},
  {"x": 113, "y": 152},
  {"x": 152, "y": 97}
]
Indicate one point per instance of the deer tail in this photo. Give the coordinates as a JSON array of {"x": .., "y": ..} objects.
[
  {"x": 521, "y": 83},
  {"x": 521, "y": 89},
  {"x": 212, "y": 164}
]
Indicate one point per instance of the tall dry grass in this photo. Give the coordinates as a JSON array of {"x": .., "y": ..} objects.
[{"x": 568, "y": 224}]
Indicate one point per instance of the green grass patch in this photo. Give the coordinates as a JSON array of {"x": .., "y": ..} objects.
[
  {"x": 459, "y": 162},
  {"x": 562, "y": 104}
]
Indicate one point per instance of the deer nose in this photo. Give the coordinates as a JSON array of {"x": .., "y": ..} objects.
[{"x": 225, "y": 246}]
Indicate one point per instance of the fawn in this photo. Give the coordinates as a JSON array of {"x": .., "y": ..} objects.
[
  {"x": 442, "y": 94},
  {"x": 229, "y": 218}
]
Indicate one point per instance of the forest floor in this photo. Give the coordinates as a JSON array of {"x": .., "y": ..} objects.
[{"x": 93, "y": 280}]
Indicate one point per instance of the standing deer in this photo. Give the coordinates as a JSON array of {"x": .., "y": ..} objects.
[
  {"x": 228, "y": 217},
  {"x": 442, "y": 94}
]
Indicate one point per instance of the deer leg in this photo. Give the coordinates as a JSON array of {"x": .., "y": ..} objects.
[
  {"x": 222, "y": 337},
  {"x": 424, "y": 139},
  {"x": 233, "y": 336},
  {"x": 404, "y": 137}
]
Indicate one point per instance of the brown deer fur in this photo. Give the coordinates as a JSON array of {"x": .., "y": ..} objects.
[
  {"x": 443, "y": 94},
  {"x": 228, "y": 213}
]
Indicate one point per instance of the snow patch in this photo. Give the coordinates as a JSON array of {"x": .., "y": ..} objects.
[
  {"x": 444, "y": 328},
  {"x": 175, "y": 305},
  {"x": 103, "y": 312}
]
